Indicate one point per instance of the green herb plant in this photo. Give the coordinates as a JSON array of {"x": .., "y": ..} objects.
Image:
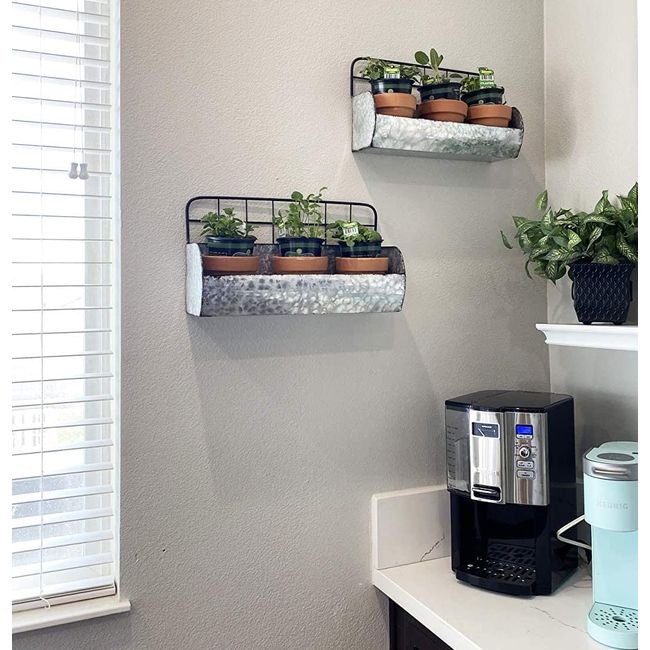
[
  {"x": 376, "y": 69},
  {"x": 608, "y": 235},
  {"x": 225, "y": 224},
  {"x": 433, "y": 61},
  {"x": 303, "y": 217},
  {"x": 365, "y": 233},
  {"x": 470, "y": 83}
]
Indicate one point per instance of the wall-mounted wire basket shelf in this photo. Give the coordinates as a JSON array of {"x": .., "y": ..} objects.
[
  {"x": 265, "y": 293},
  {"x": 386, "y": 134}
]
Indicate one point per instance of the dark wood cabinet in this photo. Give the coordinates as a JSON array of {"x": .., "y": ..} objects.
[{"x": 408, "y": 634}]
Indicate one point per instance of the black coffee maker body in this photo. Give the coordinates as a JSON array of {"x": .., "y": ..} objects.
[{"x": 512, "y": 482}]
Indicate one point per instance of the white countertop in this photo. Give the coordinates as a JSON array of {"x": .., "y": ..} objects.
[{"x": 469, "y": 618}]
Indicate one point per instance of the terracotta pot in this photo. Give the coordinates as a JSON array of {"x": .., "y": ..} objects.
[
  {"x": 490, "y": 114},
  {"x": 444, "y": 110},
  {"x": 361, "y": 264},
  {"x": 298, "y": 264},
  {"x": 229, "y": 264},
  {"x": 397, "y": 104}
]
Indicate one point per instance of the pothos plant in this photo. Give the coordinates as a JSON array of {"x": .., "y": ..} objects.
[
  {"x": 224, "y": 225},
  {"x": 378, "y": 68},
  {"x": 303, "y": 217},
  {"x": 364, "y": 234},
  {"x": 608, "y": 235},
  {"x": 433, "y": 61}
]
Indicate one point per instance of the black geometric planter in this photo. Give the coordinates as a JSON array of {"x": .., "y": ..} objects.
[{"x": 601, "y": 292}]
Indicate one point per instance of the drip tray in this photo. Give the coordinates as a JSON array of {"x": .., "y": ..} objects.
[
  {"x": 614, "y": 626},
  {"x": 506, "y": 568}
]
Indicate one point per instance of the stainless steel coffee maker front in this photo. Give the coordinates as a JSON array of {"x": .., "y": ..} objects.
[{"x": 508, "y": 457}]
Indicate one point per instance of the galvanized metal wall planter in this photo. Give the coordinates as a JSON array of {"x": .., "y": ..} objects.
[
  {"x": 387, "y": 134},
  {"x": 265, "y": 293}
]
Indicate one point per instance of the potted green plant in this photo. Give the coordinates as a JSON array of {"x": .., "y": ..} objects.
[
  {"x": 360, "y": 248},
  {"x": 439, "y": 94},
  {"x": 301, "y": 235},
  {"x": 392, "y": 87},
  {"x": 229, "y": 243},
  {"x": 598, "y": 249},
  {"x": 484, "y": 99}
]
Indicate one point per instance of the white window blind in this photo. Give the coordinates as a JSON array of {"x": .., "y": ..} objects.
[{"x": 64, "y": 308}]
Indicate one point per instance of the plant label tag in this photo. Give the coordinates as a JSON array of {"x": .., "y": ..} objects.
[
  {"x": 350, "y": 229},
  {"x": 391, "y": 72},
  {"x": 486, "y": 78}
]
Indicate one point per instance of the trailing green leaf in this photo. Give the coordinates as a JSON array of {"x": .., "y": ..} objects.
[{"x": 608, "y": 235}]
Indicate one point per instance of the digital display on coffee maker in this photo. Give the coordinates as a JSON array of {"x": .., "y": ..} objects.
[{"x": 524, "y": 429}]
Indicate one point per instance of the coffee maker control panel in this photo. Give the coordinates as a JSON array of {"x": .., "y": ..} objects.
[{"x": 527, "y": 458}]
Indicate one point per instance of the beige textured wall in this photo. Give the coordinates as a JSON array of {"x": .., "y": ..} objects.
[
  {"x": 251, "y": 446},
  {"x": 591, "y": 145}
]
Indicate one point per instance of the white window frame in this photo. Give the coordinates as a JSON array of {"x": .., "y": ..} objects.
[{"x": 77, "y": 608}]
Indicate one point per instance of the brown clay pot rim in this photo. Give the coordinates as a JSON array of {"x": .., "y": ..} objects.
[
  {"x": 361, "y": 265},
  {"x": 299, "y": 264},
  {"x": 395, "y": 99},
  {"x": 229, "y": 264},
  {"x": 439, "y": 103},
  {"x": 490, "y": 110}
]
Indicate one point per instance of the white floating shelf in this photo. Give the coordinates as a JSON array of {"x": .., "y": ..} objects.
[{"x": 605, "y": 337}]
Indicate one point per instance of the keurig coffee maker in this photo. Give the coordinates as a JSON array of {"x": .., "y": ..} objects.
[{"x": 512, "y": 482}]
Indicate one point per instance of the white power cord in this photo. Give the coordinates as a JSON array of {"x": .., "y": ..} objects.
[{"x": 573, "y": 542}]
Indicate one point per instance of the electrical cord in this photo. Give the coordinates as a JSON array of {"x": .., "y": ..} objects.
[{"x": 573, "y": 542}]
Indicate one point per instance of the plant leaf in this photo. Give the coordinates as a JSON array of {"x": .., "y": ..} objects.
[
  {"x": 599, "y": 218},
  {"x": 421, "y": 57},
  {"x": 633, "y": 195},
  {"x": 603, "y": 257},
  {"x": 574, "y": 240},
  {"x": 542, "y": 201},
  {"x": 552, "y": 271},
  {"x": 625, "y": 249},
  {"x": 557, "y": 255},
  {"x": 595, "y": 234},
  {"x": 505, "y": 241},
  {"x": 603, "y": 202}
]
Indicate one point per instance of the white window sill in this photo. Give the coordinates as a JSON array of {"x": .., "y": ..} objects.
[{"x": 35, "y": 619}]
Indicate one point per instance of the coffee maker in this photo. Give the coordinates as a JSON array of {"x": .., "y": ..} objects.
[
  {"x": 611, "y": 508},
  {"x": 512, "y": 483}
]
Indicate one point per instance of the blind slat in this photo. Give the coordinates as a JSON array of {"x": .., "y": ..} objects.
[
  {"x": 62, "y": 400},
  {"x": 54, "y": 566},
  {"x": 49, "y": 591},
  {"x": 73, "y": 469},
  {"x": 62, "y": 541},
  {"x": 61, "y": 517},
  {"x": 54, "y": 495},
  {"x": 68, "y": 425},
  {"x": 86, "y": 444},
  {"x": 61, "y": 565}
]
